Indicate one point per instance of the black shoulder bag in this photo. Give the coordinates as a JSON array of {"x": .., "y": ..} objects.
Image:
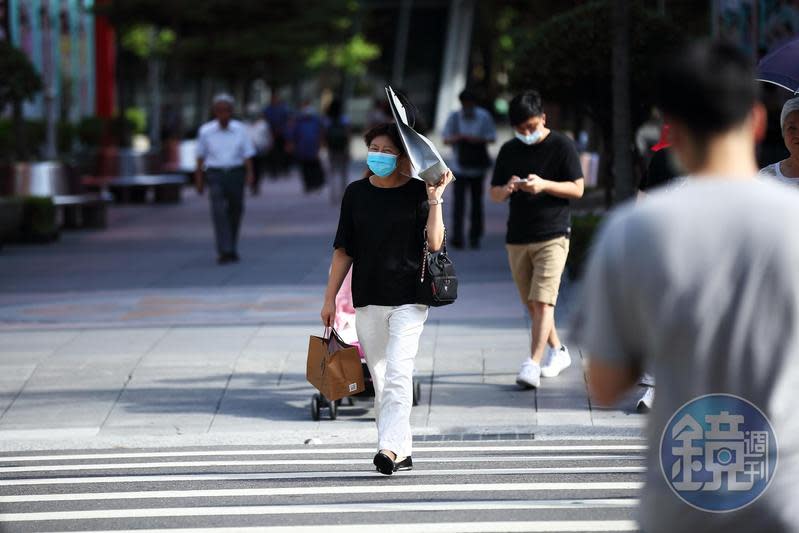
[{"x": 438, "y": 284}]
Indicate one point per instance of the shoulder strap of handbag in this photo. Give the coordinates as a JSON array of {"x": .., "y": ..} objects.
[
  {"x": 426, "y": 251},
  {"x": 443, "y": 246}
]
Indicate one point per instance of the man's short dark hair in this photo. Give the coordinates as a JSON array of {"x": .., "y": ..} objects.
[
  {"x": 525, "y": 105},
  {"x": 709, "y": 86},
  {"x": 467, "y": 95}
]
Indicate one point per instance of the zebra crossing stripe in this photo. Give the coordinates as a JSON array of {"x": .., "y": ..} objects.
[
  {"x": 309, "y": 462},
  {"x": 151, "y": 478},
  {"x": 553, "y": 526},
  {"x": 303, "y": 509},
  {"x": 324, "y": 489},
  {"x": 322, "y": 451}
]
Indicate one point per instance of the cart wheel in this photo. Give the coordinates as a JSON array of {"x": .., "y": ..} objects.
[
  {"x": 315, "y": 407},
  {"x": 417, "y": 391},
  {"x": 333, "y": 410}
]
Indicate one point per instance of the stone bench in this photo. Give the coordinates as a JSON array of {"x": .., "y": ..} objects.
[
  {"x": 83, "y": 210},
  {"x": 133, "y": 189}
]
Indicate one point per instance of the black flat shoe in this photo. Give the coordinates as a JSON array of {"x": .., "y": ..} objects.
[
  {"x": 384, "y": 463},
  {"x": 405, "y": 464}
]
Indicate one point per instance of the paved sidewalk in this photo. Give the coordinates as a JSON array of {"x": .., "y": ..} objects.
[{"x": 134, "y": 336}]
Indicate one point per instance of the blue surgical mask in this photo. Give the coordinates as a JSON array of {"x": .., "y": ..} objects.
[
  {"x": 529, "y": 139},
  {"x": 381, "y": 164}
]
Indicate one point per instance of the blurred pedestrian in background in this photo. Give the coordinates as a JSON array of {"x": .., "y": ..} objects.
[
  {"x": 337, "y": 140},
  {"x": 278, "y": 115},
  {"x": 699, "y": 284},
  {"x": 469, "y": 131},
  {"x": 787, "y": 170},
  {"x": 660, "y": 172},
  {"x": 224, "y": 162},
  {"x": 661, "y": 169},
  {"x": 303, "y": 142},
  {"x": 261, "y": 136},
  {"x": 539, "y": 171},
  {"x": 647, "y": 136}
]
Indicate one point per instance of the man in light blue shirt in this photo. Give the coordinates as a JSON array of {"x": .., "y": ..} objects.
[
  {"x": 224, "y": 161},
  {"x": 469, "y": 131}
]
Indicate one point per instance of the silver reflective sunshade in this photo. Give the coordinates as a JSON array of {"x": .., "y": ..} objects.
[{"x": 426, "y": 163}]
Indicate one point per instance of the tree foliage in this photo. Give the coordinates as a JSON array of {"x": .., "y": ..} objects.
[
  {"x": 350, "y": 57},
  {"x": 146, "y": 41},
  {"x": 499, "y": 26},
  {"x": 568, "y": 59},
  {"x": 19, "y": 80},
  {"x": 278, "y": 39}
]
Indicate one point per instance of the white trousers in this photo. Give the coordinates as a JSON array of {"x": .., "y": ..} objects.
[{"x": 389, "y": 337}]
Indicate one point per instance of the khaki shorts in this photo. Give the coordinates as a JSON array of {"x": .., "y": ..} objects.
[{"x": 537, "y": 268}]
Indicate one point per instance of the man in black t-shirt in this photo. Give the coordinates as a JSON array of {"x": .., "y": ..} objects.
[{"x": 539, "y": 170}]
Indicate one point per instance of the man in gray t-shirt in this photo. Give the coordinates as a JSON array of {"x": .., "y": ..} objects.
[{"x": 701, "y": 285}]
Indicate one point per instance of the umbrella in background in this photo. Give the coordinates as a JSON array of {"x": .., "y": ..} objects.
[{"x": 781, "y": 67}]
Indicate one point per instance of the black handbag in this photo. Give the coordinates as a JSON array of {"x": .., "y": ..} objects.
[{"x": 438, "y": 284}]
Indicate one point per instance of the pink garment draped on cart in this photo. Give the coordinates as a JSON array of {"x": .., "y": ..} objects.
[{"x": 345, "y": 314}]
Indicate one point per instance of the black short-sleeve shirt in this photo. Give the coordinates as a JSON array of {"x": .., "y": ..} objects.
[
  {"x": 382, "y": 230},
  {"x": 537, "y": 217}
]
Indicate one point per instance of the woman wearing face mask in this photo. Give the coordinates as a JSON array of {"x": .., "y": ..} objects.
[
  {"x": 381, "y": 234},
  {"x": 540, "y": 172}
]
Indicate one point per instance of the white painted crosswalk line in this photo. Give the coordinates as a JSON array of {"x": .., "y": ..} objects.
[
  {"x": 299, "y": 462},
  {"x": 549, "y": 526},
  {"x": 323, "y": 451},
  {"x": 145, "y": 478},
  {"x": 340, "y": 508},
  {"x": 449, "y": 481},
  {"x": 322, "y": 490}
]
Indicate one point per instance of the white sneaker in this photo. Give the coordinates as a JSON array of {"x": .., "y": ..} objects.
[
  {"x": 645, "y": 403},
  {"x": 530, "y": 375},
  {"x": 556, "y": 362},
  {"x": 549, "y": 354}
]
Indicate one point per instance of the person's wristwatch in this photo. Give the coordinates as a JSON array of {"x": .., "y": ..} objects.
[{"x": 433, "y": 201}]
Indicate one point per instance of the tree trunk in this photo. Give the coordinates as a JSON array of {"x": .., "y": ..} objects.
[
  {"x": 401, "y": 44},
  {"x": 154, "y": 86},
  {"x": 606, "y": 167},
  {"x": 50, "y": 145},
  {"x": 205, "y": 100},
  {"x": 622, "y": 131},
  {"x": 20, "y": 142}
]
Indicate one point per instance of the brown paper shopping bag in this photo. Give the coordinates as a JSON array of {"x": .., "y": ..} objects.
[{"x": 334, "y": 367}]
